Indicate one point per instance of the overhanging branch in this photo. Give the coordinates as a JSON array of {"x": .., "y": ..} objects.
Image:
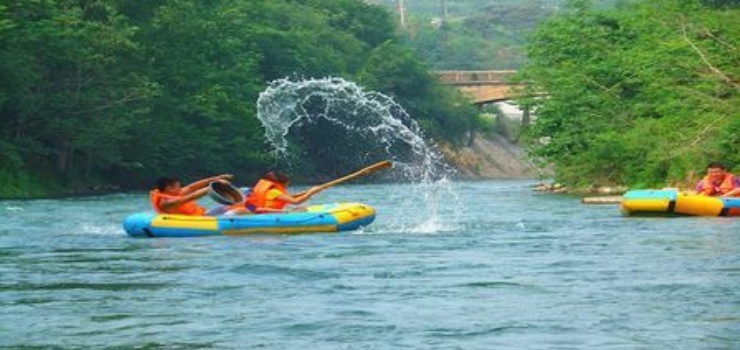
[{"x": 709, "y": 64}]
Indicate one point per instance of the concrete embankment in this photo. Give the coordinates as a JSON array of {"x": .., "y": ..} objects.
[{"x": 493, "y": 157}]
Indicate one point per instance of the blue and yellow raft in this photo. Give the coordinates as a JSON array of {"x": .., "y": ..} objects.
[
  {"x": 317, "y": 218},
  {"x": 672, "y": 202}
]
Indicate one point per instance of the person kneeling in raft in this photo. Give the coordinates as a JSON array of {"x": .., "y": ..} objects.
[
  {"x": 270, "y": 195},
  {"x": 170, "y": 197}
]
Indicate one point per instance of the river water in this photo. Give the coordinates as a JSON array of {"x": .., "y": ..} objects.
[{"x": 502, "y": 267}]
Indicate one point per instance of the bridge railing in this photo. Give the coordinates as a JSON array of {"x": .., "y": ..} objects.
[{"x": 474, "y": 77}]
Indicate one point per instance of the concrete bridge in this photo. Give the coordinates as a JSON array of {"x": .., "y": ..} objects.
[{"x": 483, "y": 87}]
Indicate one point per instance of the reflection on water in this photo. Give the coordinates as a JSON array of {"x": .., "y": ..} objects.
[{"x": 516, "y": 270}]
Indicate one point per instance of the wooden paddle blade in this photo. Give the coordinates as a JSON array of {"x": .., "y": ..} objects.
[{"x": 379, "y": 166}]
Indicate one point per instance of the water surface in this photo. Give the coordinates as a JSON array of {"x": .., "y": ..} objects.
[{"x": 500, "y": 268}]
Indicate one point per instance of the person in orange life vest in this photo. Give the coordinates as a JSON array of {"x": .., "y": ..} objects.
[
  {"x": 270, "y": 195},
  {"x": 170, "y": 197},
  {"x": 718, "y": 182}
]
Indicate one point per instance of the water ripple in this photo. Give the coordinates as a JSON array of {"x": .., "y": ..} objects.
[{"x": 514, "y": 270}]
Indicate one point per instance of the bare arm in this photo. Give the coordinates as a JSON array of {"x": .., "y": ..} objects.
[
  {"x": 292, "y": 199},
  {"x": 200, "y": 184},
  {"x": 300, "y": 197},
  {"x": 168, "y": 204}
]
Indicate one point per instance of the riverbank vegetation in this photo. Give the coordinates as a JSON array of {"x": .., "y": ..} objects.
[
  {"x": 106, "y": 92},
  {"x": 644, "y": 94}
]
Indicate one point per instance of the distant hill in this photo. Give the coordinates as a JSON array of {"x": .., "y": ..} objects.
[
  {"x": 474, "y": 34},
  {"x": 467, "y": 7}
]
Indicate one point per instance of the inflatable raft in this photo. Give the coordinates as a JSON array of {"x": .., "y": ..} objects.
[
  {"x": 672, "y": 202},
  {"x": 317, "y": 218}
]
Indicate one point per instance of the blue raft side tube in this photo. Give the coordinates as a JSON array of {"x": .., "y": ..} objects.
[
  {"x": 140, "y": 225},
  {"x": 149, "y": 224},
  {"x": 353, "y": 225},
  {"x": 297, "y": 220},
  {"x": 651, "y": 194},
  {"x": 137, "y": 225},
  {"x": 731, "y": 206},
  {"x": 732, "y": 203}
]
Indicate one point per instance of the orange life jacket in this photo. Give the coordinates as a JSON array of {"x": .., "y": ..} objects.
[
  {"x": 708, "y": 187},
  {"x": 258, "y": 198},
  {"x": 187, "y": 208}
]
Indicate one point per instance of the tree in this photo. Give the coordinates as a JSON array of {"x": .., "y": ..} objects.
[
  {"x": 120, "y": 92},
  {"x": 638, "y": 95}
]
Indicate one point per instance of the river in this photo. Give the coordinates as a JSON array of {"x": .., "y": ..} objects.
[{"x": 504, "y": 268}]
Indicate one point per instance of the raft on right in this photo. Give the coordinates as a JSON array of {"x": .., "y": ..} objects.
[{"x": 676, "y": 203}]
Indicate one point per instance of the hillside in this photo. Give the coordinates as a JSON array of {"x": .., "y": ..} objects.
[{"x": 474, "y": 34}]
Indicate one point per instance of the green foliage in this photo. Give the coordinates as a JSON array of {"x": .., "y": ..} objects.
[
  {"x": 18, "y": 184},
  {"x": 491, "y": 38},
  {"x": 486, "y": 124},
  {"x": 67, "y": 98},
  {"x": 441, "y": 111},
  {"x": 643, "y": 94},
  {"x": 125, "y": 91},
  {"x": 475, "y": 34}
]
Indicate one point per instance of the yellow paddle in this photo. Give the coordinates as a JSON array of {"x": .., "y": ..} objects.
[{"x": 362, "y": 172}]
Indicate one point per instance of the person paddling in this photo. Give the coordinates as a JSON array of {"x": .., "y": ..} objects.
[
  {"x": 170, "y": 197},
  {"x": 718, "y": 182},
  {"x": 270, "y": 195}
]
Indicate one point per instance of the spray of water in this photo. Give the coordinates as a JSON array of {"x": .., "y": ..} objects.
[{"x": 337, "y": 121}]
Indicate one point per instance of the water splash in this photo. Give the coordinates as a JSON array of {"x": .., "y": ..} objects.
[{"x": 339, "y": 124}]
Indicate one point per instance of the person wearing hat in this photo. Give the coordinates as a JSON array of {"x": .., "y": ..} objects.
[{"x": 170, "y": 197}]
